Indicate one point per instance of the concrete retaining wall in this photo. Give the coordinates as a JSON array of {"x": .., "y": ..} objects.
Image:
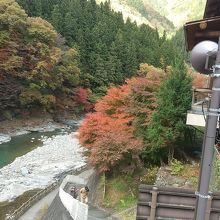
[
  {"x": 77, "y": 209},
  {"x": 88, "y": 178},
  {"x": 64, "y": 206}
]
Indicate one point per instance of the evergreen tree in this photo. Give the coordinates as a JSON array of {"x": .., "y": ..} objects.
[
  {"x": 173, "y": 100},
  {"x": 70, "y": 28},
  {"x": 179, "y": 44},
  {"x": 57, "y": 18},
  {"x": 100, "y": 76},
  {"x": 114, "y": 66}
]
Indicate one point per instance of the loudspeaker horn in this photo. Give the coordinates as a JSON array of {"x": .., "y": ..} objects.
[{"x": 203, "y": 56}]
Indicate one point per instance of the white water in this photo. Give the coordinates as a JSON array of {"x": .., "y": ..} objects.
[{"x": 40, "y": 167}]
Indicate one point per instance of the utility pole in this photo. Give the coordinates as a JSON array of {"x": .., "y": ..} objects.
[{"x": 208, "y": 143}]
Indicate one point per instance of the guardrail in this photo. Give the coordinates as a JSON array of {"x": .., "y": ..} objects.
[{"x": 172, "y": 203}]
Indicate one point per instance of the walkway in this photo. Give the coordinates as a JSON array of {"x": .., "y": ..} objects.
[
  {"x": 98, "y": 214},
  {"x": 33, "y": 212},
  {"x": 57, "y": 211}
]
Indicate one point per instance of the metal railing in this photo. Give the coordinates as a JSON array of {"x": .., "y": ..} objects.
[
  {"x": 172, "y": 203},
  {"x": 25, "y": 206}
]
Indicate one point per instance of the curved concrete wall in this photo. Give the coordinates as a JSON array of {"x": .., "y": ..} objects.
[
  {"x": 77, "y": 209},
  {"x": 88, "y": 177}
]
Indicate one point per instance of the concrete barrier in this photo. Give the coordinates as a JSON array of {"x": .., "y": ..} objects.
[
  {"x": 89, "y": 178},
  {"x": 64, "y": 205},
  {"x": 77, "y": 209}
]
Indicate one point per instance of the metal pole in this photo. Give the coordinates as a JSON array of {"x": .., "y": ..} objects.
[
  {"x": 208, "y": 144},
  {"x": 153, "y": 203}
]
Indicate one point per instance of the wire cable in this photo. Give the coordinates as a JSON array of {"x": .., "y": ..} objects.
[{"x": 203, "y": 112}]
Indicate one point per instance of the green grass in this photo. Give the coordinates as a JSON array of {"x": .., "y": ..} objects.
[
  {"x": 119, "y": 185},
  {"x": 126, "y": 202},
  {"x": 121, "y": 191}
]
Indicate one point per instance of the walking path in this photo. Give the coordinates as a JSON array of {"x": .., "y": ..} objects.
[
  {"x": 41, "y": 204},
  {"x": 57, "y": 211}
]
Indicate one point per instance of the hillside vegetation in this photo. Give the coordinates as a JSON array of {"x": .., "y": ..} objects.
[
  {"x": 36, "y": 69},
  {"x": 140, "y": 122},
  {"x": 69, "y": 59},
  {"x": 162, "y": 14},
  {"x": 110, "y": 49},
  {"x": 178, "y": 11},
  {"x": 141, "y": 13},
  {"x": 77, "y": 56}
]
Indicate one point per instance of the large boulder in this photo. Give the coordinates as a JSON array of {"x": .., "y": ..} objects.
[
  {"x": 24, "y": 171},
  {"x": 4, "y": 138}
]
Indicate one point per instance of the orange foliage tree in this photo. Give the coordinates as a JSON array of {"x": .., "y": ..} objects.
[{"x": 111, "y": 133}]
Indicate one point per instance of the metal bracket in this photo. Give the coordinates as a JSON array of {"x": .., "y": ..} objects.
[
  {"x": 217, "y": 66},
  {"x": 215, "y": 89},
  {"x": 202, "y": 196},
  {"x": 215, "y": 75},
  {"x": 212, "y": 114},
  {"x": 214, "y": 109},
  {"x": 213, "y": 69}
]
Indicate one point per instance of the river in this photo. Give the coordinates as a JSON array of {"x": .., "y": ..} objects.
[{"x": 22, "y": 144}]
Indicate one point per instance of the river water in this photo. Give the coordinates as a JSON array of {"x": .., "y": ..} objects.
[{"x": 22, "y": 144}]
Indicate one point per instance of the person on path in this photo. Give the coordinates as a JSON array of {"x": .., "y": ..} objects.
[
  {"x": 84, "y": 192},
  {"x": 74, "y": 192}
]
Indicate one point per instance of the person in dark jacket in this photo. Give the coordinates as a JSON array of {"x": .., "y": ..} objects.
[{"x": 74, "y": 192}]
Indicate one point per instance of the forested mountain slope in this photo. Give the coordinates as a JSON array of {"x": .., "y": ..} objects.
[
  {"x": 36, "y": 68},
  {"x": 163, "y": 14},
  {"x": 110, "y": 50},
  {"x": 178, "y": 11},
  {"x": 66, "y": 54},
  {"x": 88, "y": 48},
  {"x": 141, "y": 13}
]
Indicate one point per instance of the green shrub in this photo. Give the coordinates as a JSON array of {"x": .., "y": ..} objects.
[
  {"x": 176, "y": 166},
  {"x": 149, "y": 176},
  {"x": 4, "y": 37}
]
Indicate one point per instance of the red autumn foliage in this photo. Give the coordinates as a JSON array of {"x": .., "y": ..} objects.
[
  {"x": 143, "y": 101},
  {"x": 108, "y": 140},
  {"x": 81, "y": 98},
  {"x": 200, "y": 81},
  {"x": 110, "y": 134},
  {"x": 115, "y": 103}
]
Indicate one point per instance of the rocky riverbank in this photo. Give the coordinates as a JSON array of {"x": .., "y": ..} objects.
[
  {"x": 17, "y": 127},
  {"x": 42, "y": 166}
]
